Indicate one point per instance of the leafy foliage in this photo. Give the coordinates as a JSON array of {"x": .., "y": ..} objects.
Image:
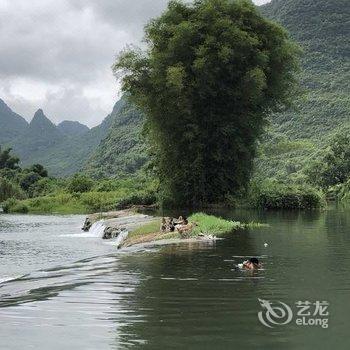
[
  {"x": 39, "y": 169},
  {"x": 122, "y": 151},
  {"x": 12, "y": 205},
  {"x": 9, "y": 189},
  {"x": 334, "y": 166},
  {"x": 274, "y": 195},
  {"x": 80, "y": 183},
  {"x": 8, "y": 161},
  {"x": 16, "y": 182},
  {"x": 213, "y": 72}
]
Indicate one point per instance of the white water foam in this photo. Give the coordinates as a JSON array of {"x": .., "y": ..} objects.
[
  {"x": 7, "y": 279},
  {"x": 123, "y": 235},
  {"x": 97, "y": 229}
]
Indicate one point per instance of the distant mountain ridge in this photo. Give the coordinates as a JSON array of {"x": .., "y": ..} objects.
[
  {"x": 72, "y": 128},
  {"x": 70, "y": 146},
  {"x": 11, "y": 123}
]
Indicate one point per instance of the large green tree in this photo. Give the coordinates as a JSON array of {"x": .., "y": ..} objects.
[{"x": 212, "y": 72}]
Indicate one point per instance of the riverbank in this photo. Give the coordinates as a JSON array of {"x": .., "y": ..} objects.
[{"x": 113, "y": 195}]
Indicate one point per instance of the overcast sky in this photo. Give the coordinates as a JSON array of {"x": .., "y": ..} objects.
[{"x": 56, "y": 54}]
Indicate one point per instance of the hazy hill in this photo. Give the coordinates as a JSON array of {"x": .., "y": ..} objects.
[
  {"x": 72, "y": 128},
  {"x": 11, "y": 124},
  {"x": 322, "y": 28},
  {"x": 122, "y": 151},
  {"x": 108, "y": 149},
  {"x": 40, "y": 135},
  {"x": 63, "y": 149}
]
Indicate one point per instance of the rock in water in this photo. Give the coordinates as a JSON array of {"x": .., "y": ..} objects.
[
  {"x": 87, "y": 224},
  {"x": 112, "y": 232}
]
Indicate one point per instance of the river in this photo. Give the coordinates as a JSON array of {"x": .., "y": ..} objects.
[{"x": 63, "y": 289}]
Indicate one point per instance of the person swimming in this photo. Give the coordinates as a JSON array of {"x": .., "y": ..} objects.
[{"x": 251, "y": 264}]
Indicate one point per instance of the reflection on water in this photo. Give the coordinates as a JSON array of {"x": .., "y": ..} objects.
[{"x": 188, "y": 296}]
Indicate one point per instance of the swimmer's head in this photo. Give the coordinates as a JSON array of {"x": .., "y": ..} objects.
[{"x": 254, "y": 261}]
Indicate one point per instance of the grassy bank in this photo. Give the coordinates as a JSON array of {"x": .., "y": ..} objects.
[
  {"x": 202, "y": 224},
  {"x": 270, "y": 194},
  {"x": 82, "y": 195},
  {"x": 102, "y": 196}
]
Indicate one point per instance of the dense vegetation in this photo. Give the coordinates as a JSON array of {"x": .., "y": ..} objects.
[
  {"x": 123, "y": 151},
  {"x": 212, "y": 73},
  {"x": 274, "y": 195},
  {"x": 299, "y": 135},
  {"x": 331, "y": 171},
  {"x": 31, "y": 190}
]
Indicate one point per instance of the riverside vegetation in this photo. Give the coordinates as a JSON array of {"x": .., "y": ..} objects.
[{"x": 32, "y": 190}]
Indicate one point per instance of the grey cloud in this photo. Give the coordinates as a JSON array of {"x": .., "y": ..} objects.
[{"x": 68, "y": 47}]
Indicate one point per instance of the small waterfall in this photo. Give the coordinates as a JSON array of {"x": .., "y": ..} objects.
[
  {"x": 121, "y": 238},
  {"x": 97, "y": 229}
]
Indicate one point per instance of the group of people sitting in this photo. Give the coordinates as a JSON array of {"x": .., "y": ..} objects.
[{"x": 180, "y": 225}]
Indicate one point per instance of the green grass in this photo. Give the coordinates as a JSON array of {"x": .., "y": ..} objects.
[
  {"x": 210, "y": 224},
  {"x": 61, "y": 204},
  {"x": 151, "y": 227},
  {"x": 81, "y": 203}
]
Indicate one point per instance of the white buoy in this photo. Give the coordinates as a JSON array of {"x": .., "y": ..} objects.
[{"x": 265, "y": 245}]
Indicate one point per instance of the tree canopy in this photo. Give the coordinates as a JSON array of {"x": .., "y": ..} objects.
[
  {"x": 8, "y": 161},
  {"x": 212, "y": 72},
  {"x": 334, "y": 167}
]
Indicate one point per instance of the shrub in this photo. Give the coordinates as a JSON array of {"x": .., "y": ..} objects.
[
  {"x": 9, "y": 189},
  {"x": 99, "y": 201},
  {"x": 28, "y": 179},
  {"x": 107, "y": 186},
  {"x": 41, "y": 204},
  {"x": 20, "y": 207},
  {"x": 80, "y": 183},
  {"x": 139, "y": 198},
  {"x": 273, "y": 195},
  {"x": 343, "y": 193},
  {"x": 42, "y": 187},
  {"x": 39, "y": 169},
  {"x": 14, "y": 206},
  {"x": 8, "y": 204}
]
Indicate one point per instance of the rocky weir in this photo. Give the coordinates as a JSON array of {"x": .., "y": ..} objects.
[
  {"x": 128, "y": 228},
  {"x": 115, "y": 225}
]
